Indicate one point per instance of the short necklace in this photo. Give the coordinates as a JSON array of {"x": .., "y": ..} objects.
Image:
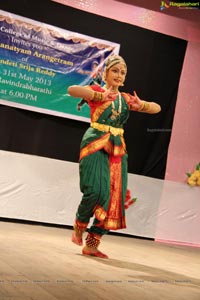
[{"x": 116, "y": 113}]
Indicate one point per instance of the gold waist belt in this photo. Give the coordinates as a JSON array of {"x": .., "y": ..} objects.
[{"x": 106, "y": 128}]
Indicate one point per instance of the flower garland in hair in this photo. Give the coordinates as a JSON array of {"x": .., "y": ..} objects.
[{"x": 194, "y": 177}]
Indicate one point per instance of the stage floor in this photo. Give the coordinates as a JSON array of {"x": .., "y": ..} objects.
[{"x": 41, "y": 263}]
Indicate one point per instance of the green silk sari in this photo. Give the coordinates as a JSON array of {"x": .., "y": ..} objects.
[{"x": 103, "y": 167}]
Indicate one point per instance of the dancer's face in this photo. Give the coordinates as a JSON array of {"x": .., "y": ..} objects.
[{"x": 116, "y": 75}]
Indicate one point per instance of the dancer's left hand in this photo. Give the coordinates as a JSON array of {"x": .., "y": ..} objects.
[
  {"x": 135, "y": 102},
  {"x": 109, "y": 94}
]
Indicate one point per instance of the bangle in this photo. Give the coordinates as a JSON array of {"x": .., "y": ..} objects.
[
  {"x": 98, "y": 96},
  {"x": 144, "y": 107}
]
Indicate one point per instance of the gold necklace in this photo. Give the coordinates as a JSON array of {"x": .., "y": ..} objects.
[{"x": 116, "y": 113}]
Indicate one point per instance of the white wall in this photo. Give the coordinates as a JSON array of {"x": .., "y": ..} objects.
[{"x": 47, "y": 190}]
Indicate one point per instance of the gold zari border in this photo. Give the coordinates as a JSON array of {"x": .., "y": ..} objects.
[
  {"x": 94, "y": 146},
  {"x": 106, "y": 128}
]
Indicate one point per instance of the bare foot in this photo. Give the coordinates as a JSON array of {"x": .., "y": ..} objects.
[
  {"x": 93, "y": 252},
  {"x": 77, "y": 238}
]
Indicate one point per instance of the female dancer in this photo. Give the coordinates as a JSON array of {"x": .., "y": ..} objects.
[{"x": 103, "y": 156}]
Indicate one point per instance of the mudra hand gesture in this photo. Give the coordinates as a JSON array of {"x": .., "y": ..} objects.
[
  {"x": 135, "y": 101},
  {"x": 109, "y": 94}
]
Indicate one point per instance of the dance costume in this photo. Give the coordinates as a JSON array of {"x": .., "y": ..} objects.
[{"x": 103, "y": 169}]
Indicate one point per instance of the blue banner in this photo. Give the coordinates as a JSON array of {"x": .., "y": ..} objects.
[{"x": 38, "y": 62}]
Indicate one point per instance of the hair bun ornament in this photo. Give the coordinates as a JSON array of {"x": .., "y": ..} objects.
[{"x": 114, "y": 59}]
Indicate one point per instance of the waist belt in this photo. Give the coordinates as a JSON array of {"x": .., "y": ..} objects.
[{"x": 106, "y": 128}]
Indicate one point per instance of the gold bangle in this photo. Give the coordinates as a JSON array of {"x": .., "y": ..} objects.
[
  {"x": 142, "y": 106},
  {"x": 146, "y": 106},
  {"x": 98, "y": 96}
]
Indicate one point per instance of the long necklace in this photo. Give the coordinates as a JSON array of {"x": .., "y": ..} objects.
[{"x": 116, "y": 113}]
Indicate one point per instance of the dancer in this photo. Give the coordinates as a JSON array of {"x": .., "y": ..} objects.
[{"x": 103, "y": 156}]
